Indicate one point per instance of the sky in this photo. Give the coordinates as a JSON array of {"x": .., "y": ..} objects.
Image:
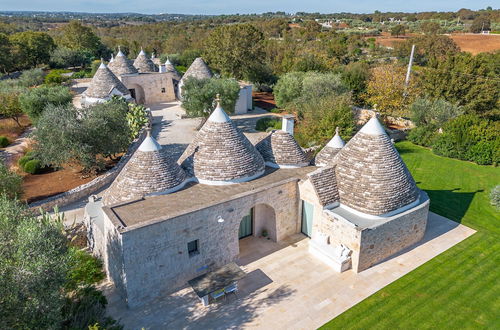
[{"x": 213, "y": 7}]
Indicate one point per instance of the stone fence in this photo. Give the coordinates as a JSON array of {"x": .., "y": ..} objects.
[
  {"x": 361, "y": 116},
  {"x": 93, "y": 186}
]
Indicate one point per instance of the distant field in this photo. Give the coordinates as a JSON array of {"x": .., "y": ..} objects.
[{"x": 472, "y": 43}]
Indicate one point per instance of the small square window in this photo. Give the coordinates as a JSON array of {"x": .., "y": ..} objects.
[
  {"x": 193, "y": 248},
  {"x": 163, "y": 90}
]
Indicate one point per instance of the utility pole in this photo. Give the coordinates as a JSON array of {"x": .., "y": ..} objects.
[{"x": 407, "y": 80}]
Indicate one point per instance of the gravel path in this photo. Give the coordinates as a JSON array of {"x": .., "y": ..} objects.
[{"x": 9, "y": 154}]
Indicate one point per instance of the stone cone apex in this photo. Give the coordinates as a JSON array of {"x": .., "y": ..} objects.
[
  {"x": 198, "y": 69},
  {"x": 121, "y": 65},
  {"x": 371, "y": 176},
  {"x": 103, "y": 83},
  {"x": 150, "y": 170},
  {"x": 143, "y": 64},
  {"x": 169, "y": 67},
  {"x": 280, "y": 149},
  {"x": 221, "y": 154},
  {"x": 327, "y": 155}
]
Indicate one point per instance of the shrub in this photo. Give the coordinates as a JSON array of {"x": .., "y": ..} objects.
[
  {"x": 495, "y": 197},
  {"x": 32, "y": 166},
  {"x": 31, "y": 78},
  {"x": 4, "y": 141},
  {"x": 267, "y": 122},
  {"x": 433, "y": 112},
  {"x": 198, "y": 95},
  {"x": 55, "y": 77},
  {"x": 320, "y": 117},
  {"x": 10, "y": 183},
  {"x": 300, "y": 87},
  {"x": 469, "y": 137},
  {"x": 423, "y": 135},
  {"x": 23, "y": 160},
  {"x": 137, "y": 118},
  {"x": 35, "y": 100},
  {"x": 81, "y": 74},
  {"x": 85, "y": 269}
]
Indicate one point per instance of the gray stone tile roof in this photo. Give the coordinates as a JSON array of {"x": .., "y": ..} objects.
[
  {"x": 169, "y": 67},
  {"x": 327, "y": 155},
  {"x": 198, "y": 69},
  {"x": 103, "y": 82},
  {"x": 279, "y": 149},
  {"x": 371, "y": 176},
  {"x": 143, "y": 63},
  {"x": 221, "y": 153},
  {"x": 122, "y": 65},
  {"x": 324, "y": 183},
  {"x": 150, "y": 170}
]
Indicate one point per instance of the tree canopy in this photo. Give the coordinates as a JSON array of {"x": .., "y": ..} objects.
[
  {"x": 31, "y": 48},
  {"x": 234, "y": 50},
  {"x": 77, "y": 36}
]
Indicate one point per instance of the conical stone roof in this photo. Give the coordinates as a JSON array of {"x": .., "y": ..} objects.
[
  {"x": 144, "y": 64},
  {"x": 103, "y": 83},
  {"x": 121, "y": 65},
  {"x": 327, "y": 154},
  {"x": 150, "y": 170},
  {"x": 279, "y": 149},
  {"x": 221, "y": 153},
  {"x": 198, "y": 69},
  {"x": 371, "y": 176},
  {"x": 169, "y": 67}
]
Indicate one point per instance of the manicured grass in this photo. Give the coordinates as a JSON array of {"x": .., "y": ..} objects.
[{"x": 459, "y": 289}]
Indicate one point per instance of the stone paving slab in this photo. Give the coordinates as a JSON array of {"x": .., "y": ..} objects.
[{"x": 286, "y": 287}]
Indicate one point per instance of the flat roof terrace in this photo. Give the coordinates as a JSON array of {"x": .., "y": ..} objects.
[{"x": 194, "y": 197}]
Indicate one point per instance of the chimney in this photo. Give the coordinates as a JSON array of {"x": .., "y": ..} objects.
[
  {"x": 287, "y": 124},
  {"x": 162, "y": 68}
]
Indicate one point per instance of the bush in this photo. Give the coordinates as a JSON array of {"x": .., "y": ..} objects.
[
  {"x": 35, "y": 100},
  {"x": 23, "y": 160},
  {"x": 31, "y": 78},
  {"x": 81, "y": 74},
  {"x": 300, "y": 87},
  {"x": 137, "y": 118},
  {"x": 495, "y": 197},
  {"x": 10, "y": 183},
  {"x": 423, "y": 135},
  {"x": 85, "y": 269},
  {"x": 55, "y": 77},
  {"x": 267, "y": 122},
  {"x": 320, "y": 117},
  {"x": 469, "y": 137},
  {"x": 33, "y": 166},
  {"x": 433, "y": 112},
  {"x": 4, "y": 141},
  {"x": 198, "y": 95}
]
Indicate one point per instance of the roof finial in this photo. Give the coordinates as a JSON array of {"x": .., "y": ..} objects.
[
  {"x": 217, "y": 99},
  {"x": 337, "y": 130},
  {"x": 148, "y": 131}
]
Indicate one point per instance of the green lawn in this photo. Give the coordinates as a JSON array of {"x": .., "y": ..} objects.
[{"x": 459, "y": 289}]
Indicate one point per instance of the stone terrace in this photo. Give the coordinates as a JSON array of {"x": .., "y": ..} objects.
[{"x": 286, "y": 287}]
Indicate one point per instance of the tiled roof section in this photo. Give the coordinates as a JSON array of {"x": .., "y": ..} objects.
[
  {"x": 325, "y": 185},
  {"x": 151, "y": 169},
  {"x": 122, "y": 65},
  {"x": 372, "y": 178},
  {"x": 221, "y": 153},
  {"x": 327, "y": 154},
  {"x": 103, "y": 82},
  {"x": 280, "y": 148},
  {"x": 198, "y": 69},
  {"x": 144, "y": 64}
]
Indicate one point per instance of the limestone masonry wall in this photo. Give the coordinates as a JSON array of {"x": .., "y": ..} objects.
[
  {"x": 156, "y": 259},
  {"x": 391, "y": 237}
]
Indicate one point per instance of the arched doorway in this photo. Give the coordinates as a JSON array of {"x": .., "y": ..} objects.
[
  {"x": 260, "y": 221},
  {"x": 137, "y": 92}
]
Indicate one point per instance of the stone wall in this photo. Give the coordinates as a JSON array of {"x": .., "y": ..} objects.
[
  {"x": 156, "y": 87},
  {"x": 155, "y": 257},
  {"x": 391, "y": 237}
]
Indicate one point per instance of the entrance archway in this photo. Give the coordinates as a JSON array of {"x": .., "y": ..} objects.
[
  {"x": 260, "y": 222},
  {"x": 137, "y": 92}
]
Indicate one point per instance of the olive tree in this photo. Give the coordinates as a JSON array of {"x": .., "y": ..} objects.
[{"x": 34, "y": 101}]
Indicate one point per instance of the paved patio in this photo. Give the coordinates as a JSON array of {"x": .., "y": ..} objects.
[{"x": 286, "y": 287}]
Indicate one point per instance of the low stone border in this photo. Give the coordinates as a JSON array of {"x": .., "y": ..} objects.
[{"x": 91, "y": 187}]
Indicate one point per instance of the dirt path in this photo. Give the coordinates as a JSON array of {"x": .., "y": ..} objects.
[{"x": 16, "y": 149}]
